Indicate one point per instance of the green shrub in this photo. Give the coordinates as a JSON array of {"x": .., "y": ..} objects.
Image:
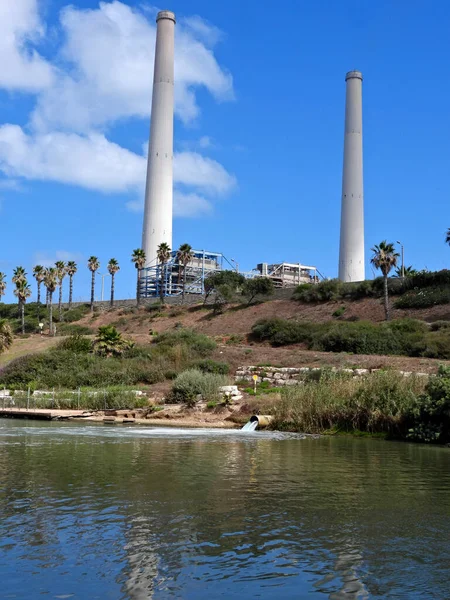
[
  {"x": 424, "y": 298},
  {"x": 378, "y": 403},
  {"x": 259, "y": 286},
  {"x": 438, "y": 325},
  {"x": 191, "y": 384},
  {"x": 73, "y": 329},
  {"x": 406, "y": 337},
  {"x": 75, "y": 343},
  {"x": 208, "y": 365},
  {"x": 199, "y": 343},
  {"x": 339, "y": 312}
]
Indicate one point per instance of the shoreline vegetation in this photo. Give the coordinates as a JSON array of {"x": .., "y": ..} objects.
[{"x": 159, "y": 360}]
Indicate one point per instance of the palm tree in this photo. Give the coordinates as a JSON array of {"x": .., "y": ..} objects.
[
  {"x": 19, "y": 275},
  {"x": 61, "y": 272},
  {"x": 93, "y": 266},
  {"x": 409, "y": 271},
  {"x": 113, "y": 267},
  {"x": 22, "y": 292},
  {"x": 163, "y": 255},
  {"x": 39, "y": 274},
  {"x": 384, "y": 258},
  {"x": 71, "y": 270},
  {"x": 50, "y": 282},
  {"x": 2, "y": 285},
  {"x": 6, "y": 335},
  {"x": 184, "y": 257},
  {"x": 138, "y": 258}
]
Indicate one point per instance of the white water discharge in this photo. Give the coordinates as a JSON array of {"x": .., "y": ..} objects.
[{"x": 250, "y": 426}]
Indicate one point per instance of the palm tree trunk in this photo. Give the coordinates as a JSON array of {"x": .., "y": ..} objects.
[
  {"x": 70, "y": 290},
  {"x": 386, "y": 298},
  {"x": 39, "y": 301},
  {"x": 92, "y": 290},
  {"x": 22, "y": 316},
  {"x": 112, "y": 289},
  {"x": 138, "y": 287},
  {"x": 60, "y": 302},
  {"x": 184, "y": 282},
  {"x": 50, "y": 312}
]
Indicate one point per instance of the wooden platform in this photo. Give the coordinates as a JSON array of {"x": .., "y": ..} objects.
[{"x": 40, "y": 414}]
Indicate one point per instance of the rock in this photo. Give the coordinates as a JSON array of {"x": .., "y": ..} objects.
[{"x": 361, "y": 371}]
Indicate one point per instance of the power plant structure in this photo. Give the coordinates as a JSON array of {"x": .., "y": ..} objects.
[
  {"x": 158, "y": 211},
  {"x": 351, "y": 251}
]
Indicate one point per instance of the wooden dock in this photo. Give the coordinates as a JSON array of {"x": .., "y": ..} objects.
[{"x": 42, "y": 414}]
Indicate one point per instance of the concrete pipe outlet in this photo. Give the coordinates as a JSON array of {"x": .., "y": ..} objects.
[{"x": 262, "y": 420}]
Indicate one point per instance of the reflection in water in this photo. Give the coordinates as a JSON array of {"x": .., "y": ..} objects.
[{"x": 95, "y": 512}]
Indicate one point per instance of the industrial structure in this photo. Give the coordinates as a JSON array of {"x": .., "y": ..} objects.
[
  {"x": 158, "y": 210},
  {"x": 170, "y": 277},
  {"x": 351, "y": 252},
  {"x": 158, "y": 213}
]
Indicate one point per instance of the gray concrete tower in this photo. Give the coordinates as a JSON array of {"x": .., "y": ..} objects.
[
  {"x": 351, "y": 252},
  {"x": 159, "y": 188}
]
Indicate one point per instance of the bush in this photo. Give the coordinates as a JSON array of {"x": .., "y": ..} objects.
[
  {"x": 424, "y": 298},
  {"x": 191, "y": 384},
  {"x": 6, "y": 335},
  {"x": 211, "y": 366},
  {"x": 339, "y": 312},
  {"x": 438, "y": 325},
  {"x": 378, "y": 403},
  {"x": 73, "y": 329},
  {"x": 406, "y": 337},
  {"x": 75, "y": 343},
  {"x": 201, "y": 344}
]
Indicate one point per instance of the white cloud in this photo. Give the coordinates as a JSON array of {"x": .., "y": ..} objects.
[
  {"x": 205, "y": 142},
  {"x": 47, "y": 259},
  {"x": 22, "y": 67},
  {"x": 95, "y": 163},
  {"x": 92, "y": 162},
  {"x": 104, "y": 75},
  {"x": 109, "y": 53},
  {"x": 203, "y": 30},
  {"x": 193, "y": 169}
]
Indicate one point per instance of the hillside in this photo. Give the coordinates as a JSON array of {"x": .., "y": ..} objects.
[{"x": 232, "y": 328}]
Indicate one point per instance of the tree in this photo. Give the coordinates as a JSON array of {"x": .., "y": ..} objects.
[
  {"x": 50, "y": 282},
  {"x": 19, "y": 276},
  {"x": 93, "y": 266},
  {"x": 259, "y": 286},
  {"x": 139, "y": 259},
  {"x": 22, "y": 292},
  {"x": 184, "y": 257},
  {"x": 384, "y": 258},
  {"x": 71, "y": 270},
  {"x": 2, "y": 285},
  {"x": 113, "y": 267},
  {"x": 109, "y": 342},
  {"x": 409, "y": 271},
  {"x": 39, "y": 274},
  {"x": 61, "y": 272},
  {"x": 163, "y": 255},
  {"x": 447, "y": 236},
  {"x": 6, "y": 335},
  {"x": 225, "y": 283}
]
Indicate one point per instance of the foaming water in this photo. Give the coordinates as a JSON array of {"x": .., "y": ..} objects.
[{"x": 92, "y": 511}]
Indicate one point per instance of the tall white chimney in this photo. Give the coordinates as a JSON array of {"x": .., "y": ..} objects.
[
  {"x": 351, "y": 253},
  {"x": 159, "y": 188}
]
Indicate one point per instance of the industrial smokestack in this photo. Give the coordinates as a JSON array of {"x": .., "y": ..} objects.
[
  {"x": 351, "y": 253},
  {"x": 159, "y": 188}
]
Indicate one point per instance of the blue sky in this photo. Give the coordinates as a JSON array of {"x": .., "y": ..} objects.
[{"x": 258, "y": 129}]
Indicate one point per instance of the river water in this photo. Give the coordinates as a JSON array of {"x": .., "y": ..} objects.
[{"x": 116, "y": 512}]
